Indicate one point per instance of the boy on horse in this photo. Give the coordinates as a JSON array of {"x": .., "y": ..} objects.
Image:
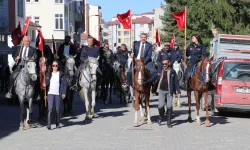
[
  {"x": 87, "y": 51},
  {"x": 143, "y": 50},
  {"x": 27, "y": 52}
]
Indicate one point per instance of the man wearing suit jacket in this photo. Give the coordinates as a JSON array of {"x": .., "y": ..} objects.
[
  {"x": 27, "y": 52},
  {"x": 143, "y": 50}
]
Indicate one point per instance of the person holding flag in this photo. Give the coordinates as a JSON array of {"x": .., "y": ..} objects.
[{"x": 26, "y": 52}]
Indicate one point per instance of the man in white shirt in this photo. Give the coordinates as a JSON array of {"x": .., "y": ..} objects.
[{"x": 20, "y": 55}]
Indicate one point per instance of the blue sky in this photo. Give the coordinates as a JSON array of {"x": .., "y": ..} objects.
[{"x": 112, "y": 7}]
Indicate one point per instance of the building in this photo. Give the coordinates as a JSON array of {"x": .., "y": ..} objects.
[
  {"x": 57, "y": 17},
  {"x": 116, "y": 35}
]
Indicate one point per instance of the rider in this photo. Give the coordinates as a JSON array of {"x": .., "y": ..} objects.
[
  {"x": 143, "y": 50},
  {"x": 176, "y": 54},
  {"x": 194, "y": 53},
  {"x": 107, "y": 57},
  {"x": 27, "y": 52},
  {"x": 165, "y": 52},
  {"x": 87, "y": 51},
  {"x": 167, "y": 85}
]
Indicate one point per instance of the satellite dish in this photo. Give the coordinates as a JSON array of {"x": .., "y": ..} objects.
[{"x": 80, "y": 30}]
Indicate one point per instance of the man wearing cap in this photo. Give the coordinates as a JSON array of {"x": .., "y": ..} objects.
[{"x": 165, "y": 52}]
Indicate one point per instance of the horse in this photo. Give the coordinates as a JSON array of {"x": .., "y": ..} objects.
[
  {"x": 25, "y": 88},
  {"x": 142, "y": 92},
  {"x": 178, "y": 69},
  {"x": 199, "y": 82},
  {"x": 69, "y": 71},
  {"x": 87, "y": 81}
]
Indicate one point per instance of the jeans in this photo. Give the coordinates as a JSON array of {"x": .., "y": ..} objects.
[
  {"x": 51, "y": 99},
  {"x": 163, "y": 95}
]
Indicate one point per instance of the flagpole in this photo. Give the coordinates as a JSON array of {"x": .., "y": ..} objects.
[
  {"x": 185, "y": 47},
  {"x": 132, "y": 49}
]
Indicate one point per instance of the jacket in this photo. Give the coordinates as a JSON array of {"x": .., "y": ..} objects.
[
  {"x": 31, "y": 53},
  {"x": 174, "y": 83},
  {"x": 60, "y": 52},
  {"x": 63, "y": 84},
  {"x": 147, "y": 51},
  {"x": 122, "y": 57},
  {"x": 85, "y": 53},
  {"x": 176, "y": 55},
  {"x": 194, "y": 53}
]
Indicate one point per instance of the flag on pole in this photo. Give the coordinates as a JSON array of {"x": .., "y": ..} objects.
[
  {"x": 40, "y": 40},
  {"x": 172, "y": 41},
  {"x": 97, "y": 43},
  {"x": 16, "y": 35},
  {"x": 125, "y": 20},
  {"x": 157, "y": 38},
  {"x": 25, "y": 27},
  {"x": 53, "y": 45},
  {"x": 180, "y": 18}
]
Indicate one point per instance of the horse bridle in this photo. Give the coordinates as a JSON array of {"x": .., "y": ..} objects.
[
  {"x": 91, "y": 75},
  {"x": 206, "y": 73}
]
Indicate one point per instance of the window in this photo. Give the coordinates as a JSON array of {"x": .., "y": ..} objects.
[
  {"x": 119, "y": 33},
  {"x": 58, "y": 1},
  {"x": 142, "y": 25},
  {"x": 119, "y": 40},
  {"x": 20, "y": 11},
  {"x": 126, "y": 40},
  {"x": 126, "y": 33},
  {"x": 36, "y": 1},
  {"x": 28, "y": 1},
  {"x": 36, "y": 20},
  {"x": 236, "y": 71},
  {"x": 33, "y": 35},
  {"x": 59, "y": 21},
  {"x": 119, "y": 25}
]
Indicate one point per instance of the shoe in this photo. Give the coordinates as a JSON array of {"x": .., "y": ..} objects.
[
  {"x": 49, "y": 120},
  {"x": 161, "y": 115},
  {"x": 8, "y": 95},
  {"x": 169, "y": 115}
]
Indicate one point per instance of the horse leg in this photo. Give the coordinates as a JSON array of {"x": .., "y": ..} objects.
[
  {"x": 146, "y": 96},
  {"x": 86, "y": 104},
  {"x": 178, "y": 101},
  {"x": 197, "y": 99},
  {"x": 207, "y": 122},
  {"x": 110, "y": 93},
  {"x": 137, "y": 96},
  {"x": 189, "y": 105},
  {"x": 21, "y": 101},
  {"x": 142, "y": 115},
  {"x": 92, "y": 105}
]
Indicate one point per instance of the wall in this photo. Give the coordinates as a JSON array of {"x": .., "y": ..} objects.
[
  {"x": 46, "y": 10},
  {"x": 4, "y": 13},
  {"x": 157, "y": 17},
  {"x": 94, "y": 23}
]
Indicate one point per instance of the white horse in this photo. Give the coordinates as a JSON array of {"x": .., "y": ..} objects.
[
  {"x": 87, "y": 82},
  {"x": 179, "y": 72}
]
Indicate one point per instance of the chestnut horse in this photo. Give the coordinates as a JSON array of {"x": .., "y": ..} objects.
[
  {"x": 199, "y": 82},
  {"x": 141, "y": 74}
]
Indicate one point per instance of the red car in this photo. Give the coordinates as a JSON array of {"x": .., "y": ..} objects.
[{"x": 232, "y": 81}]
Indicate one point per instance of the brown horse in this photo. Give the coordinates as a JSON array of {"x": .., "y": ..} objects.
[
  {"x": 199, "y": 83},
  {"x": 141, "y": 74}
]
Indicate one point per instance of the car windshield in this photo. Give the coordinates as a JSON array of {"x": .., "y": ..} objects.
[{"x": 237, "y": 71}]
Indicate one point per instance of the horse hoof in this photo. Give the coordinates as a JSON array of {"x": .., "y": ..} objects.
[
  {"x": 198, "y": 123},
  {"x": 87, "y": 118},
  {"x": 207, "y": 123},
  {"x": 149, "y": 122},
  {"x": 189, "y": 119}
]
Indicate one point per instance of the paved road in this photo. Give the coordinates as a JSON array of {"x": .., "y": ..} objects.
[{"x": 112, "y": 129}]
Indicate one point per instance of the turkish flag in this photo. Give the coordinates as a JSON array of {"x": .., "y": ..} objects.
[
  {"x": 125, "y": 20},
  {"x": 180, "y": 18},
  {"x": 97, "y": 43},
  {"x": 157, "y": 38},
  {"x": 39, "y": 40},
  {"x": 172, "y": 41},
  {"x": 25, "y": 27},
  {"x": 16, "y": 35}
]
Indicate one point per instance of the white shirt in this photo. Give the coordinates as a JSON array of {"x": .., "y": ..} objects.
[
  {"x": 66, "y": 49},
  {"x": 54, "y": 84},
  {"x": 27, "y": 52},
  {"x": 139, "y": 54}
]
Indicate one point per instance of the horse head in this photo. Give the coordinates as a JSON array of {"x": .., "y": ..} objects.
[
  {"x": 93, "y": 66},
  {"x": 206, "y": 64},
  {"x": 70, "y": 65},
  {"x": 140, "y": 71},
  {"x": 30, "y": 68}
]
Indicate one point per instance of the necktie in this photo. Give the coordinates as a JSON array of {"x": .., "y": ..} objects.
[
  {"x": 142, "y": 50},
  {"x": 25, "y": 50}
]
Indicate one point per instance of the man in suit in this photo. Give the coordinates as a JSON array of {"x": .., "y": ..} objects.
[
  {"x": 26, "y": 52},
  {"x": 143, "y": 50}
]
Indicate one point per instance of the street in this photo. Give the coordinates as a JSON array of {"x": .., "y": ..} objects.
[{"x": 112, "y": 128}]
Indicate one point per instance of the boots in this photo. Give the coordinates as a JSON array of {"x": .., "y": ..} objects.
[
  {"x": 161, "y": 115},
  {"x": 49, "y": 120},
  {"x": 58, "y": 120},
  {"x": 169, "y": 115}
]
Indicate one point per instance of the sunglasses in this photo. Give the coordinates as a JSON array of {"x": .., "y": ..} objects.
[
  {"x": 55, "y": 66},
  {"x": 165, "y": 64}
]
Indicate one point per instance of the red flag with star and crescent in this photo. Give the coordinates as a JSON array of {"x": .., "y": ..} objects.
[
  {"x": 157, "y": 37},
  {"x": 16, "y": 35},
  {"x": 172, "y": 41},
  {"x": 25, "y": 27},
  {"x": 180, "y": 18},
  {"x": 40, "y": 40},
  {"x": 125, "y": 20}
]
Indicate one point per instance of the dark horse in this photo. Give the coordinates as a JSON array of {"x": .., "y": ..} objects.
[
  {"x": 199, "y": 83},
  {"x": 141, "y": 91},
  {"x": 69, "y": 71}
]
